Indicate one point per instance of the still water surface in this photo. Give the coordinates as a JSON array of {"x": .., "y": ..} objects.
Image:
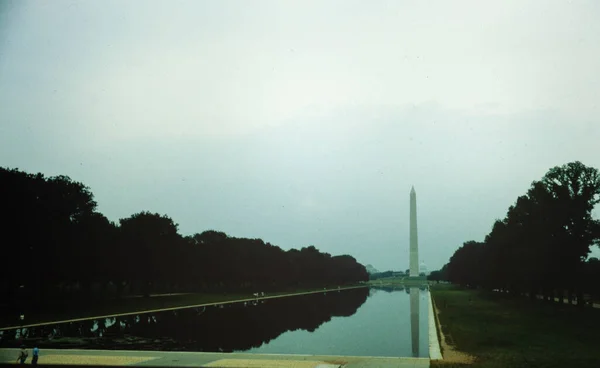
[{"x": 360, "y": 322}]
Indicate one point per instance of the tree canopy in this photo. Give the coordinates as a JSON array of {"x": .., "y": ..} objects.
[
  {"x": 541, "y": 246},
  {"x": 63, "y": 247}
]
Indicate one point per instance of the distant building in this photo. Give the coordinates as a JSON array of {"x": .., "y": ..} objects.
[{"x": 423, "y": 269}]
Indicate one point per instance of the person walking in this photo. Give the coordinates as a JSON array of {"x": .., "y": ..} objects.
[
  {"x": 22, "y": 355},
  {"x": 35, "y": 355}
]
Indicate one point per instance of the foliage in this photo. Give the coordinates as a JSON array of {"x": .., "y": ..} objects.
[
  {"x": 381, "y": 275},
  {"x": 540, "y": 247},
  {"x": 439, "y": 275}
]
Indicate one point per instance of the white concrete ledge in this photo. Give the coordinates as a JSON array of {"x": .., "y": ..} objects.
[{"x": 434, "y": 344}]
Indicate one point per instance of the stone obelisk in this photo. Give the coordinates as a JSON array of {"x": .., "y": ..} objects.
[{"x": 414, "y": 241}]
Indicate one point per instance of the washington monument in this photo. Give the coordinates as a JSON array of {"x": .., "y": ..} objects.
[{"x": 414, "y": 241}]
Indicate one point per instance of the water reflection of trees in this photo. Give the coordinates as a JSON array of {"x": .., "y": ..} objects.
[
  {"x": 388, "y": 289},
  {"x": 227, "y": 328},
  {"x": 391, "y": 289}
]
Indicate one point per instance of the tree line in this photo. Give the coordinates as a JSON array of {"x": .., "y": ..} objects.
[
  {"x": 542, "y": 245},
  {"x": 57, "y": 244},
  {"x": 390, "y": 273}
]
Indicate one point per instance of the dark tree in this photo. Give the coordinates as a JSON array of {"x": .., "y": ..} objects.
[
  {"x": 540, "y": 247},
  {"x": 63, "y": 249}
]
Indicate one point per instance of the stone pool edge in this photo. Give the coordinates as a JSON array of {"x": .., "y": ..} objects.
[
  {"x": 206, "y": 359},
  {"x": 434, "y": 344}
]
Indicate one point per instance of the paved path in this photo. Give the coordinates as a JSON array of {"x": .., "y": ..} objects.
[
  {"x": 566, "y": 301},
  {"x": 193, "y": 359},
  {"x": 435, "y": 351},
  {"x": 556, "y": 299}
]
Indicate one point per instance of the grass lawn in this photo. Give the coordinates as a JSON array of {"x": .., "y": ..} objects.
[
  {"x": 502, "y": 331},
  {"x": 138, "y": 305}
]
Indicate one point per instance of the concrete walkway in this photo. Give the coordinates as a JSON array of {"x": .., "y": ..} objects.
[
  {"x": 435, "y": 351},
  {"x": 556, "y": 299},
  {"x": 566, "y": 301},
  {"x": 193, "y": 359}
]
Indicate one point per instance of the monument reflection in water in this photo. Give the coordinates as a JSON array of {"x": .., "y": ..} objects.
[
  {"x": 414, "y": 321},
  {"x": 292, "y": 325},
  {"x": 418, "y": 333}
]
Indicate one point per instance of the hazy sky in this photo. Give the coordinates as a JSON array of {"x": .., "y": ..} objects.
[{"x": 304, "y": 122}]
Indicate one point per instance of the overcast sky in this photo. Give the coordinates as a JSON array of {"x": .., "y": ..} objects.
[{"x": 304, "y": 122}]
